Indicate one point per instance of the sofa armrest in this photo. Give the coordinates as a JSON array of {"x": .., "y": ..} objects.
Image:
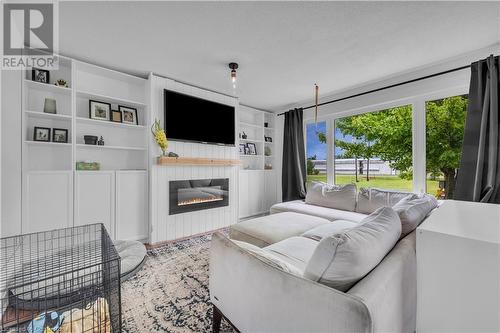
[
  {"x": 390, "y": 290},
  {"x": 257, "y": 297}
]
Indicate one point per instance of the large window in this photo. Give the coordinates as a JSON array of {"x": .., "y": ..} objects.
[
  {"x": 375, "y": 149},
  {"x": 445, "y": 121},
  {"x": 316, "y": 151}
]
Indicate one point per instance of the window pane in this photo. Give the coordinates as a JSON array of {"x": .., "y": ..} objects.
[
  {"x": 445, "y": 122},
  {"x": 375, "y": 149},
  {"x": 316, "y": 151}
]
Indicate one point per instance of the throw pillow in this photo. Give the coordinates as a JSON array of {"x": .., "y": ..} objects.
[
  {"x": 370, "y": 199},
  {"x": 338, "y": 197},
  {"x": 341, "y": 260},
  {"x": 412, "y": 210}
]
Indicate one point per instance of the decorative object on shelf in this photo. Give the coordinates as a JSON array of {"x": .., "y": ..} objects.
[
  {"x": 90, "y": 139},
  {"x": 267, "y": 151},
  {"x": 83, "y": 165},
  {"x": 129, "y": 115},
  {"x": 116, "y": 116},
  {"x": 239, "y": 135},
  {"x": 266, "y": 124},
  {"x": 40, "y": 75},
  {"x": 61, "y": 83},
  {"x": 244, "y": 136},
  {"x": 101, "y": 141},
  {"x": 99, "y": 110},
  {"x": 233, "y": 66},
  {"x": 160, "y": 137},
  {"x": 268, "y": 166},
  {"x": 41, "y": 134},
  {"x": 247, "y": 150},
  {"x": 172, "y": 154},
  {"x": 268, "y": 139},
  {"x": 49, "y": 106},
  {"x": 60, "y": 135},
  {"x": 242, "y": 148},
  {"x": 252, "y": 149}
]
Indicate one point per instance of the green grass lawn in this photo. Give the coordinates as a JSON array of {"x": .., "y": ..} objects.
[{"x": 388, "y": 182}]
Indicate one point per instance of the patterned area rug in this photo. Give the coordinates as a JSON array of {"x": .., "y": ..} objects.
[{"x": 170, "y": 293}]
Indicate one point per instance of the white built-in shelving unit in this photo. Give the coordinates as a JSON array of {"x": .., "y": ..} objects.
[
  {"x": 257, "y": 174},
  {"x": 57, "y": 195}
]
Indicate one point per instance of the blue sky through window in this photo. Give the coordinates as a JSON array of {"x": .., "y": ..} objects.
[{"x": 315, "y": 147}]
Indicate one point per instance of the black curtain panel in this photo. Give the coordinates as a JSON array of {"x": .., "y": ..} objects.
[
  {"x": 478, "y": 177},
  {"x": 294, "y": 157}
]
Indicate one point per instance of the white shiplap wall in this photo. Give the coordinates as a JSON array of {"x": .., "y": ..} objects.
[{"x": 166, "y": 227}]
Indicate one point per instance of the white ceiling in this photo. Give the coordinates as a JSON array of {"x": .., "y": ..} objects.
[{"x": 283, "y": 48}]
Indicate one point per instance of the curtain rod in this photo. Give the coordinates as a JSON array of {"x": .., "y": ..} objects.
[{"x": 386, "y": 87}]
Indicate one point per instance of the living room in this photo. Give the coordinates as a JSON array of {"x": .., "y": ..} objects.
[{"x": 250, "y": 166}]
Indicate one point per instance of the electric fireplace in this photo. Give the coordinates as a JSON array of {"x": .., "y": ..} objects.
[{"x": 198, "y": 194}]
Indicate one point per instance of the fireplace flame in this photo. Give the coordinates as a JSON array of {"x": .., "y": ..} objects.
[{"x": 193, "y": 201}]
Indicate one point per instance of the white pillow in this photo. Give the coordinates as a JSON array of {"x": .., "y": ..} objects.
[
  {"x": 331, "y": 196},
  {"x": 370, "y": 199},
  {"x": 412, "y": 210},
  {"x": 341, "y": 260},
  {"x": 268, "y": 257}
]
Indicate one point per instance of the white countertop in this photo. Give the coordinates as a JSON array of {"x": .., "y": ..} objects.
[{"x": 465, "y": 219}]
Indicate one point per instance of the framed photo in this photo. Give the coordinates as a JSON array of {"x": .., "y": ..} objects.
[
  {"x": 99, "y": 110},
  {"x": 129, "y": 115},
  {"x": 40, "y": 75},
  {"x": 247, "y": 151},
  {"x": 116, "y": 116},
  {"x": 268, "y": 139},
  {"x": 41, "y": 134},
  {"x": 242, "y": 148},
  {"x": 60, "y": 135},
  {"x": 252, "y": 149}
]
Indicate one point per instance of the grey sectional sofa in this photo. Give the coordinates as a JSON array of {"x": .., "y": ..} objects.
[{"x": 259, "y": 279}]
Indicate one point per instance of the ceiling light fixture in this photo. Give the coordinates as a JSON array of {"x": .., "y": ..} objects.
[{"x": 233, "y": 66}]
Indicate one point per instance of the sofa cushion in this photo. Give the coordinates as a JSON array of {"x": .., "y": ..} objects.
[
  {"x": 269, "y": 258},
  {"x": 295, "y": 251},
  {"x": 412, "y": 210},
  {"x": 341, "y": 260},
  {"x": 331, "y": 214},
  {"x": 370, "y": 199},
  {"x": 329, "y": 229},
  {"x": 267, "y": 230},
  {"x": 338, "y": 197}
]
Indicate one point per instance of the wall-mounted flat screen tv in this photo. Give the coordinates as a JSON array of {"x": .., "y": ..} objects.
[{"x": 189, "y": 118}]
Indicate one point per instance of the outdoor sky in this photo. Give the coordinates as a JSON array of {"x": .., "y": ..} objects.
[{"x": 314, "y": 147}]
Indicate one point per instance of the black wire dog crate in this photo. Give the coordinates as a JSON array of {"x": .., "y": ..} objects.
[{"x": 60, "y": 281}]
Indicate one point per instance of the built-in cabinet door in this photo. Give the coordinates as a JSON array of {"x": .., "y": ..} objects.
[
  {"x": 131, "y": 205},
  {"x": 48, "y": 203},
  {"x": 270, "y": 190},
  {"x": 244, "y": 208},
  {"x": 95, "y": 198}
]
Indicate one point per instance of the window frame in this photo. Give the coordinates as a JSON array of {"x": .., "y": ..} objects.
[{"x": 418, "y": 103}]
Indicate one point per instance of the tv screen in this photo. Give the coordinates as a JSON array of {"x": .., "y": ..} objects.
[{"x": 189, "y": 118}]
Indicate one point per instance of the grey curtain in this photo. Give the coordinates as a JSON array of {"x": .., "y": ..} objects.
[
  {"x": 294, "y": 157},
  {"x": 478, "y": 177}
]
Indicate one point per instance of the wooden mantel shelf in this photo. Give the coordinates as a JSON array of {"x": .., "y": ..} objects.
[{"x": 164, "y": 160}]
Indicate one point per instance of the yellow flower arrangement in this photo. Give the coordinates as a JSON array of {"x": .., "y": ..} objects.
[{"x": 160, "y": 137}]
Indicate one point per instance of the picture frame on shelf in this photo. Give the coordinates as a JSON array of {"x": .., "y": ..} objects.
[
  {"x": 99, "y": 110},
  {"x": 116, "y": 116},
  {"x": 60, "y": 135},
  {"x": 41, "y": 134},
  {"x": 247, "y": 150},
  {"x": 242, "y": 148},
  {"x": 268, "y": 139},
  {"x": 40, "y": 75},
  {"x": 49, "y": 106},
  {"x": 129, "y": 115},
  {"x": 252, "y": 149}
]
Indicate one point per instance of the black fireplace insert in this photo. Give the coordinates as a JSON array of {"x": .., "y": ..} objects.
[{"x": 198, "y": 194}]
